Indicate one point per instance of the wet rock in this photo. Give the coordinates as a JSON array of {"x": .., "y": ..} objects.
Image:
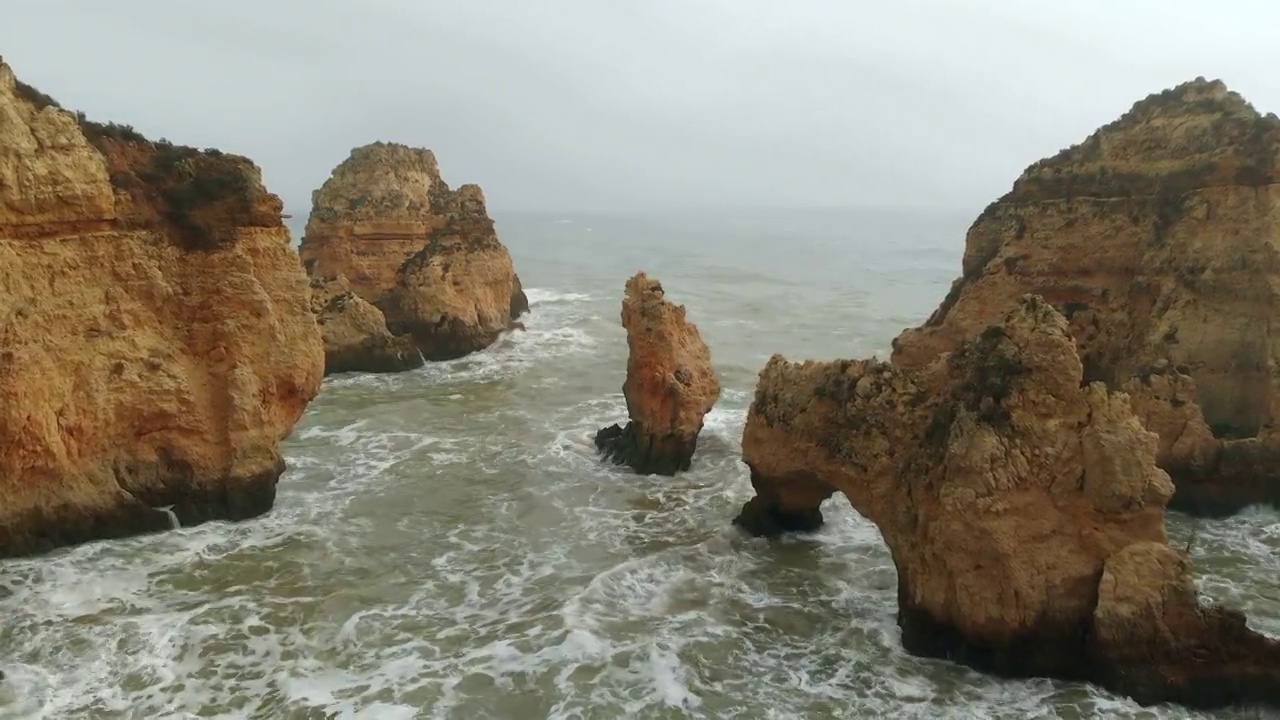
[
  {"x": 1155, "y": 237},
  {"x": 670, "y": 385},
  {"x": 1005, "y": 487},
  {"x": 178, "y": 348}
]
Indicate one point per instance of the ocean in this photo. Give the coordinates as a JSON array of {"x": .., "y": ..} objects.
[{"x": 445, "y": 543}]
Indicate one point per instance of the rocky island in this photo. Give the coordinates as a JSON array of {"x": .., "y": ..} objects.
[
  {"x": 1157, "y": 237},
  {"x": 1023, "y": 508},
  {"x": 156, "y": 343},
  {"x": 670, "y": 385},
  {"x": 1107, "y": 352},
  {"x": 426, "y": 256}
]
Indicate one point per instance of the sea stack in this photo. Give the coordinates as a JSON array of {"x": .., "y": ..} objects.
[
  {"x": 1157, "y": 237},
  {"x": 427, "y": 256},
  {"x": 1022, "y": 506},
  {"x": 156, "y": 343},
  {"x": 670, "y": 385}
]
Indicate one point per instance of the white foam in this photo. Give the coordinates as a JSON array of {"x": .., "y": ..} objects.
[
  {"x": 545, "y": 296},
  {"x": 447, "y": 543}
]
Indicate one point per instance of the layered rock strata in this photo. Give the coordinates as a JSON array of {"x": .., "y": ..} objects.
[
  {"x": 156, "y": 343},
  {"x": 670, "y": 385},
  {"x": 427, "y": 256}
]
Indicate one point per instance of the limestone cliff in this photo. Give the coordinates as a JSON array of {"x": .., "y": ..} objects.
[
  {"x": 1157, "y": 238},
  {"x": 1004, "y": 488},
  {"x": 427, "y": 256},
  {"x": 670, "y": 385},
  {"x": 355, "y": 333},
  {"x": 155, "y": 338}
]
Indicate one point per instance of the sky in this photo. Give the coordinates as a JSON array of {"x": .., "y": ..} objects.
[{"x": 643, "y": 105}]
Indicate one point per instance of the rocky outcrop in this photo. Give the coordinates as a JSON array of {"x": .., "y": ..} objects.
[
  {"x": 355, "y": 333},
  {"x": 1154, "y": 642},
  {"x": 670, "y": 385},
  {"x": 1005, "y": 488},
  {"x": 1156, "y": 237},
  {"x": 156, "y": 342},
  {"x": 427, "y": 256}
]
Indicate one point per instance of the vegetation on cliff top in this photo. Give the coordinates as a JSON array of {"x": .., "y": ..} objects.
[{"x": 198, "y": 194}]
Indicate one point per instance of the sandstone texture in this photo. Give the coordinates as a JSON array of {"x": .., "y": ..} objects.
[
  {"x": 1157, "y": 238},
  {"x": 355, "y": 333},
  {"x": 156, "y": 342},
  {"x": 1005, "y": 488},
  {"x": 670, "y": 385},
  {"x": 427, "y": 256}
]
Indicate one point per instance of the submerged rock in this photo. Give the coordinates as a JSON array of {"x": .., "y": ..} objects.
[
  {"x": 355, "y": 333},
  {"x": 1156, "y": 237},
  {"x": 428, "y": 257},
  {"x": 670, "y": 385},
  {"x": 1005, "y": 488},
  {"x": 156, "y": 342}
]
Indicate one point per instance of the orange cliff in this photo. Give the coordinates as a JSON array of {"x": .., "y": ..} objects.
[
  {"x": 1022, "y": 506},
  {"x": 427, "y": 256},
  {"x": 1158, "y": 237},
  {"x": 156, "y": 343}
]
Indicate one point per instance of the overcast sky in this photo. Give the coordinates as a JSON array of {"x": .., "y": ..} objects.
[{"x": 638, "y": 104}]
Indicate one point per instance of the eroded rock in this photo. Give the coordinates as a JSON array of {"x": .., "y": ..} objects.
[
  {"x": 1002, "y": 484},
  {"x": 427, "y": 256},
  {"x": 156, "y": 342},
  {"x": 1156, "y": 643},
  {"x": 1156, "y": 238},
  {"x": 355, "y": 333},
  {"x": 670, "y": 385}
]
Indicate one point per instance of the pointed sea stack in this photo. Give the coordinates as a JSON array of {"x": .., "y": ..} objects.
[
  {"x": 1157, "y": 238},
  {"x": 670, "y": 385},
  {"x": 1022, "y": 506},
  {"x": 156, "y": 342},
  {"x": 427, "y": 256}
]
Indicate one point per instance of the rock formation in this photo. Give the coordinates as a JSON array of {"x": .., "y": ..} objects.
[
  {"x": 1157, "y": 238},
  {"x": 355, "y": 333},
  {"x": 1005, "y": 490},
  {"x": 670, "y": 385},
  {"x": 427, "y": 256},
  {"x": 156, "y": 342}
]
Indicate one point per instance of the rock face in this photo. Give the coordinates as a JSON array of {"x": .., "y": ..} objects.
[
  {"x": 355, "y": 333},
  {"x": 1005, "y": 489},
  {"x": 155, "y": 338},
  {"x": 670, "y": 385},
  {"x": 1157, "y": 238},
  {"x": 427, "y": 256}
]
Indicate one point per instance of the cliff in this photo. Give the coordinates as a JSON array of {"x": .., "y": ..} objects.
[
  {"x": 155, "y": 338},
  {"x": 427, "y": 256},
  {"x": 355, "y": 333},
  {"x": 1015, "y": 501},
  {"x": 1157, "y": 238},
  {"x": 670, "y": 385}
]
